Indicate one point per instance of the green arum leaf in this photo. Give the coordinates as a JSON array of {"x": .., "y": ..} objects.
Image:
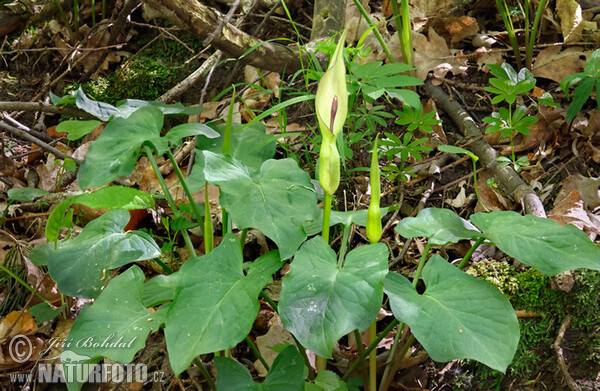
[
  {"x": 115, "y": 326},
  {"x": 77, "y": 129},
  {"x": 326, "y": 381},
  {"x": 440, "y": 226},
  {"x": 116, "y": 150},
  {"x": 541, "y": 243},
  {"x": 25, "y": 193},
  {"x": 321, "y": 302},
  {"x": 458, "y": 316},
  {"x": 215, "y": 304},
  {"x": 43, "y": 312},
  {"x": 358, "y": 217},
  {"x": 124, "y": 109},
  {"x": 81, "y": 266},
  {"x": 278, "y": 201},
  {"x": 287, "y": 373},
  {"x": 110, "y": 197},
  {"x": 250, "y": 146},
  {"x": 580, "y": 96}
]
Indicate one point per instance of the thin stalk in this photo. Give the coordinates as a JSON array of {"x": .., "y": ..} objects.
[
  {"x": 369, "y": 349},
  {"x": 208, "y": 225},
  {"x": 209, "y": 379},
  {"x": 385, "y": 385},
  {"x": 326, "y": 216},
  {"x": 187, "y": 191},
  {"x": 475, "y": 184},
  {"x": 63, "y": 16},
  {"x": 166, "y": 268},
  {"x": 243, "y": 237},
  {"x": 76, "y": 14},
  {"x": 470, "y": 252},
  {"x": 510, "y": 29},
  {"x": 390, "y": 361},
  {"x": 103, "y": 9},
  {"x": 361, "y": 350},
  {"x": 406, "y": 32},
  {"x": 365, "y": 15},
  {"x": 257, "y": 352},
  {"x": 165, "y": 189},
  {"x": 343, "y": 245},
  {"x": 26, "y": 285},
  {"x": 421, "y": 264},
  {"x": 373, "y": 357},
  {"x": 534, "y": 29},
  {"x": 93, "y": 13}
]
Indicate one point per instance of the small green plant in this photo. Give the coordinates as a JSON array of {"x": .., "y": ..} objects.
[
  {"x": 507, "y": 85},
  {"x": 585, "y": 82},
  {"x": 524, "y": 9}
]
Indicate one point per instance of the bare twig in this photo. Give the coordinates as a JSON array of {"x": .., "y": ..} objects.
[
  {"x": 507, "y": 178},
  {"x": 559, "y": 354},
  {"x": 221, "y": 24}
]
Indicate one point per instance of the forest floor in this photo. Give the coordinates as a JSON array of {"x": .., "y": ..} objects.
[{"x": 452, "y": 45}]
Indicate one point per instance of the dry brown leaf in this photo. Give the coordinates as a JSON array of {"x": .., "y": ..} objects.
[
  {"x": 569, "y": 207},
  {"x": 492, "y": 198},
  {"x": 456, "y": 29},
  {"x": 570, "y": 15},
  {"x": 21, "y": 322},
  {"x": 276, "y": 335},
  {"x": 555, "y": 65},
  {"x": 434, "y": 55}
]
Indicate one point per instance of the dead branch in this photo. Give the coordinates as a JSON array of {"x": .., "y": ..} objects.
[
  {"x": 507, "y": 178},
  {"x": 201, "y": 20},
  {"x": 559, "y": 354},
  {"x": 44, "y": 107}
]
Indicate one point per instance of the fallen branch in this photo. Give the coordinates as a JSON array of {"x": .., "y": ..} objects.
[
  {"x": 506, "y": 177},
  {"x": 559, "y": 354},
  {"x": 45, "y": 108},
  {"x": 202, "y": 21}
]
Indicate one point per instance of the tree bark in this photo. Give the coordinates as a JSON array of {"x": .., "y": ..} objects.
[{"x": 192, "y": 16}]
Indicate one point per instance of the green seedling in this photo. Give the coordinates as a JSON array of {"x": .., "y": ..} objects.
[
  {"x": 416, "y": 119},
  {"x": 585, "y": 82},
  {"x": 507, "y": 85},
  {"x": 474, "y": 159}
]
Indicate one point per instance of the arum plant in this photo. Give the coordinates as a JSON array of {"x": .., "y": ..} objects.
[
  {"x": 374, "y": 231},
  {"x": 331, "y": 103}
]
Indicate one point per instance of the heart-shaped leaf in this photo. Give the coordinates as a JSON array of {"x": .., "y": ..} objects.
[
  {"x": 77, "y": 129},
  {"x": 458, "y": 316},
  {"x": 278, "y": 201},
  {"x": 115, "y": 326},
  {"x": 538, "y": 242},
  {"x": 320, "y": 302},
  {"x": 440, "y": 226},
  {"x": 287, "y": 373},
  {"x": 215, "y": 303},
  {"x": 117, "y": 148},
  {"x": 81, "y": 266},
  {"x": 250, "y": 145}
]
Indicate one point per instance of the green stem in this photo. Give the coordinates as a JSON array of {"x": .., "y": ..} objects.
[
  {"x": 26, "y": 285},
  {"x": 209, "y": 379},
  {"x": 397, "y": 360},
  {"x": 208, "y": 226},
  {"x": 534, "y": 29},
  {"x": 93, "y": 13},
  {"x": 369, "y": 349},
  {"x": 243, "y": 237},
  {"x": 390, "y": 361},
  {"x": 421, "y": 264},
  {"x": 406, "y": 32},
  {"x": 76, "y": 14},
  {"x": 326, "y": 216},
  {"x": 360, "y": 350},
  {"x": 365, "y": 15},
  {"x": 168, "y": 196},
  {"x": 257, "y": 352},
  {"x": 372, "y": 357},
  {"x": 475, "y": 185},
  {"x": 470, "y": 252},
  {"x": 510, "y": 29},
  {"x": 166, "y": 268},
  {"x": 344, "y": 244},
  {"x": 187, "y": 191}
]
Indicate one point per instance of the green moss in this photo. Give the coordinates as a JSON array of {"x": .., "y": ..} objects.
[
  {"x": 142, "y": 78},
  {"x": 498, "y": 273}
]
